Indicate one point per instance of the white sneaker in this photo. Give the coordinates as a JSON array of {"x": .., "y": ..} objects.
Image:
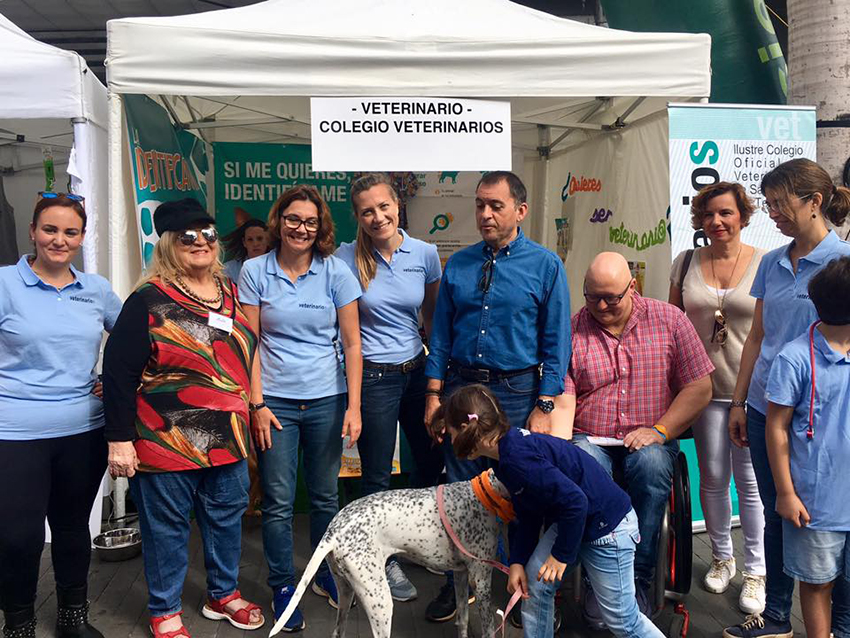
[
  {"x": 751, "y": 600},
  {"x": 719, "y": 574}
]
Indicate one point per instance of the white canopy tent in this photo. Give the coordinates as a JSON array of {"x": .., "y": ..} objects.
[
  {"x": 49, "y": 98},
  {"x": 246, "y": 74}
]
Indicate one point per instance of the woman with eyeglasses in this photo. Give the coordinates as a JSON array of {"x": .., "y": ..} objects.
[
  {"x": 400, "y": 277},
  {"x": 305, "y": 390},
  {"x": 711, "y": 284},
  {"x": 52, "y": 452},
  {"x": 799, "y": 197},
  {"x": 176, "y": 378}
]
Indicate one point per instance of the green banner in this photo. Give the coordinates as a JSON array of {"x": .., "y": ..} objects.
[
  {"x": 162, "y": 170},
  {"x": 250, "y": 177},
  {"x": 746, "y": 60}
]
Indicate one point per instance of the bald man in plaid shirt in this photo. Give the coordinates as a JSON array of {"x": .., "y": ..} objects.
[{"x": 638, "y": 377}]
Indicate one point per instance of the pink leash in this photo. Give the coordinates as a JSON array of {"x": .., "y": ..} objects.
[{"x": 441, "y": 508}]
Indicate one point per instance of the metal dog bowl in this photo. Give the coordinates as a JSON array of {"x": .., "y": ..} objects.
[{"x": 119, "y": 544}]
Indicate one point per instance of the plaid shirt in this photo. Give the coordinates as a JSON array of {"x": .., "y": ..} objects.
[{"x": 627, "y": 383}]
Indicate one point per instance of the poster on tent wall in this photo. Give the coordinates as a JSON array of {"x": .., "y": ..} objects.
[
  {"x": 716, "y": 142},
  {"x": 443, "y": 211},
  {"x": 610, "y": 194},
  {"x": 162, "y": 170},
  {"x": 250, "y": 177}
]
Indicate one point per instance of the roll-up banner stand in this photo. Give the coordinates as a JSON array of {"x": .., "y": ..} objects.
[{"x": 710, "y": 143}]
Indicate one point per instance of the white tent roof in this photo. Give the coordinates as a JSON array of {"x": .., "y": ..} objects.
[
  {"x": 486, "y": 48},
  {"x": 41, "y": 81}
]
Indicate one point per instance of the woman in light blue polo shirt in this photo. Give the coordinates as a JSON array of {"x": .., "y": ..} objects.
[
  {"x": 399, "y": 276},
  {"x": 799, "y": 196},
  {"x": 305, "y": 388},
  {"x": 52, "y": 450}
]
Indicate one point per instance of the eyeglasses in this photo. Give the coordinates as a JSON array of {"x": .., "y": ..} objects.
[
  {"x": 610, "y": 300},
  {"x": 486, "y": 276},
  {"x": 52, "y": 195},
  {"x": 774, "y": 207},
  {"x": 189, "y": 237},
  {"x": 720, "y": 333},
  {"x": 294, "y": 222}
]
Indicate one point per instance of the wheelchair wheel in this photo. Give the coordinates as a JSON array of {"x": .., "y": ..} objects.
[{"x": 680, "y": 544}]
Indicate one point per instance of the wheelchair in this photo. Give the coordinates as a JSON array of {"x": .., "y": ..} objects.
[{"x": 674, "y": 566}]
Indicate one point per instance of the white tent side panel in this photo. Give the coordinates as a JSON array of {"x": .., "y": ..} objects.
[{"x": 491, "y": 48}]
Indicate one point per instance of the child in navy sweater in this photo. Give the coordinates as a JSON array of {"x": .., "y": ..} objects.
[{"x": 552, "y": 482}]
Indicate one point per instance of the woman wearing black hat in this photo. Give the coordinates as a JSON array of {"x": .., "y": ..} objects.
[{"x": 176, "y": 387}]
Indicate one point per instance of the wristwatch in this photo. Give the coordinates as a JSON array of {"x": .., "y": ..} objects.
[
  {"x": 545, "y": 406},
  {"x": 737, "y": 404},
  {"x": 253, "y": 407}
]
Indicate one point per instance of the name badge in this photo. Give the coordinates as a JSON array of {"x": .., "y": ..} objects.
[{"x": 221, "y": 322}]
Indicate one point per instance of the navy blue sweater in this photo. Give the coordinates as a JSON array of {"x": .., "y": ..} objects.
[{"x": 552, "y": 480}]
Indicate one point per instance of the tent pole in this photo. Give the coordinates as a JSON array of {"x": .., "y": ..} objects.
[
  {"x": 541, "y": 187},
  {"x": 600, "y": 102},
  {"x": 171, "y": 111}
]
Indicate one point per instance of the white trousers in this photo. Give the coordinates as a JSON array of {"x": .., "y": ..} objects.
[{"x": 718, "y": 459}]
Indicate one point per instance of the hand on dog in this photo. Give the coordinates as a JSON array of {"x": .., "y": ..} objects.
[
  {"x": 552, "y": 570},
  {"x": 517, "y": 580},
  {"x": 261, "y": 428}
]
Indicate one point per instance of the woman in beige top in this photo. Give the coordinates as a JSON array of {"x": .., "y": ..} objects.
[{"x": 714, "y": 293}]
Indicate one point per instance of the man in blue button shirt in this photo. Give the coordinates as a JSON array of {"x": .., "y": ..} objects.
[{"x": 502, "y": 320}]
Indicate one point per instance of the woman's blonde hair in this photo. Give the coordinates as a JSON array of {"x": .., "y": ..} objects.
[
  {"x": 364, "y": 257},
  {"x": 165, "y": 265}
]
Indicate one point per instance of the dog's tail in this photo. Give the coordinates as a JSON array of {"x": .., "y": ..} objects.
[{"x": 326, "y": 546}]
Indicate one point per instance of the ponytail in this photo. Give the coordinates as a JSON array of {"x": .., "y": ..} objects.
[
  {"x": 837, "y": 207},
  {"x": 364, "y": 257},
  {"x": 475, "y": 416}
]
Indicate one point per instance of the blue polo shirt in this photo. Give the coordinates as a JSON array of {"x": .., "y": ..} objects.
[
  {"x": 49, "y": 346},
  {"x": 389, "y": 307},
  {"x": 521, "y": 321},
  {"x": 817, "y": 464},
  {"x": 300, "y": 347},
  {"x": 787, "y": 311}
]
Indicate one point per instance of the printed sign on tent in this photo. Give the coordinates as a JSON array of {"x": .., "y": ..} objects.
[
  {"x": 410, "y": 134},
  {"x": 161, "y": 169},
  {"x": 715, "y": 142},
  {"x": 250, "y": 177}
]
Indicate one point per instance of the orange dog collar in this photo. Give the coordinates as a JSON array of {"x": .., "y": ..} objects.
[{"x": 490, "y": 498}]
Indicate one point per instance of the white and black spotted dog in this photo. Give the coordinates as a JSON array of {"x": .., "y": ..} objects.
[{"x": 365, "y": 533}]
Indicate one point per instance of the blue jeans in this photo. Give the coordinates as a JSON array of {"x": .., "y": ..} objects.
[
  {"x": 517, "y": 396},
  {"x": 315, "y": 424},
  {"x": 779, "y": 586},
  {"x": 609, "y": 563},
  {"x": 387, "y": 398},
  {"x": 218, "y": 496},
  {"x": 648, "y": 478}
]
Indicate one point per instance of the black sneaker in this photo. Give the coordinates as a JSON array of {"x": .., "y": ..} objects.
[
  {"x": 444, "y": 607},
  {"x": 758, "y": 626}
]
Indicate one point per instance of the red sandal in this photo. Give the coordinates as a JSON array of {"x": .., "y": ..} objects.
[
  {"x": 214, "y": 610},
  {"x": 177, "y": 633}
]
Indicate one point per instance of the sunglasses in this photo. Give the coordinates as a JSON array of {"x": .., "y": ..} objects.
[
  {"x": 189, "y": 237},
  {"x": 486, "y": 276},
  {"x": 52, "y": 195},
  {"x": 720, "y": 333}
]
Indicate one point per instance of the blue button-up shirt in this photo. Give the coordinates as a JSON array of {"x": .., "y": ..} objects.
[
  {"x": 817, "y": 464},
  {"x": 49, "y": 346},
  {"x": 787, "y": 311},
  {"x": 521, "y": 321}
]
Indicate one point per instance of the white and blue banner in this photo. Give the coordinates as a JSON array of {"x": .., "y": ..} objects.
[{"x": 732, "y": 143}]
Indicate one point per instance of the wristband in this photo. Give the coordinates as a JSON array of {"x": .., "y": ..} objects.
[
  {"x": 253, "y": 407},
  {"x": 737, "y": 404},
  {"x": 661, "y": 430},
  {"x": 433, "y": 393}
]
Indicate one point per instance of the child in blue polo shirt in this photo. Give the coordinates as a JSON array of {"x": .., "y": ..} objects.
[
  {"x": 553, "y": 482},
  {"x": 808, "y": 439}
]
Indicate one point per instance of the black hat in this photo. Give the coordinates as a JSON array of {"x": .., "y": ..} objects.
[{"x": 179, "y": 215}]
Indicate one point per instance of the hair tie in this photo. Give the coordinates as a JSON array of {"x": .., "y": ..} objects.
[{"x": 472, "y": 416}]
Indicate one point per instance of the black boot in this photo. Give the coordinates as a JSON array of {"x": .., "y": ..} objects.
[
  {"x": 72, "y": 615},
  {"x": 20, "y": 624}
]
